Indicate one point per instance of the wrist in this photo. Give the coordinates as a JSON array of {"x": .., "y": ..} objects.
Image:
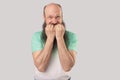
[
  {"x": 59, "y": 38},
  {"x": 50, "y": 38}
]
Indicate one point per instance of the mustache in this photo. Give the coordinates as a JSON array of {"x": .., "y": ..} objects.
[
  {"x": 54, "y": 24},
  {"x": 44, "y": 25}
]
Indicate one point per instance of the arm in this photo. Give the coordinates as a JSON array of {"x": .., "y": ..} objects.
[
  {"x": 67, "y": 58},
  {"x": 42, "y": 58}
]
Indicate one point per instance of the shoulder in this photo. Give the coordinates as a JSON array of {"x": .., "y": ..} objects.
[
  {"x": 71, "y": 41},
  {"x": 37, "y": 35},
  {"x": 71, "y": 37},
  {"x": 70, "y": 34}
]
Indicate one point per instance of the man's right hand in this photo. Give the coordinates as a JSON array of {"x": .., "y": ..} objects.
[
  {"x": 50, "y": 31},
  {"x": 42, "y": 57}
]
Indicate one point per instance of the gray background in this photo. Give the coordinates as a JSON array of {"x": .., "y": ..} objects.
[{"x": 96, "y": 22}]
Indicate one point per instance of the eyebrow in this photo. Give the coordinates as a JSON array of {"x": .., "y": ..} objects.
[{"x": 53, "y": 16}]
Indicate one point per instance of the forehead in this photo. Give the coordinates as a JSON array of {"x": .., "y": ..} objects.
[{"x": 52, "y": 10}]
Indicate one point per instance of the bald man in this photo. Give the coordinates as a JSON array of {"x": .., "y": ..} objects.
[{"x": 53, "y": 48}]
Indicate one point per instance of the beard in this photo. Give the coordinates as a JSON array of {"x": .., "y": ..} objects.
[{"x": 44, "y": 37}]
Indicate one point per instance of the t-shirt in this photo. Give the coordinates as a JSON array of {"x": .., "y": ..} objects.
[{"x": 54, "y": 70}]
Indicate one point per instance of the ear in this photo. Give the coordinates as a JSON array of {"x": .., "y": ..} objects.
[{"x": 44, "y": 17}]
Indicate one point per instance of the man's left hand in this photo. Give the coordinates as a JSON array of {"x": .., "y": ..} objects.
[{"x": 60, "y": 30}]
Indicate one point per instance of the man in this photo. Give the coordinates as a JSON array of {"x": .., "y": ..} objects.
[{"x": 53, "y": 48}]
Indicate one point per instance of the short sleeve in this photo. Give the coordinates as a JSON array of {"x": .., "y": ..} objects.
[
  {"x": 36, "y": 42},
  {"x": 72, "y": 41}
]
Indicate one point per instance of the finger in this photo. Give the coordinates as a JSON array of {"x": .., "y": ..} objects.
[
  {"x": 57, "y": 26},
  {"x": 51, "y": 27},
  {"x": 63, "y": 28},
  {"x": 48, "y": 27},
  {"x": 60, "y": 27},
  {"x": 54, "y": 28}
]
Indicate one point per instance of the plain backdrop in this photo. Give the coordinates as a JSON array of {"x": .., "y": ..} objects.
[{"x": 96, "y": 23}]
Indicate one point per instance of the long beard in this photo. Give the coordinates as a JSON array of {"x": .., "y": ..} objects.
[{"x": 44, "y": 37}]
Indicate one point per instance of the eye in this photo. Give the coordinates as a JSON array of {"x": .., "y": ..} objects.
[
  {"x": 49, "y": 17},
  {"x": 58, "y": 17}
]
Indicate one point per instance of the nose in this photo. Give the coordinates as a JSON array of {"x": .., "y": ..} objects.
[{"x": 54, "y": 21}]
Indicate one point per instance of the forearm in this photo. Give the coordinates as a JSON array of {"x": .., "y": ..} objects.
[
  {"x": 43, "y": 57},
  {"x": 66, "y": 58}
]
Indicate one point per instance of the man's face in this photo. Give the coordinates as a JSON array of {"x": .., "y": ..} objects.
[{"x": 53, "y": 15}]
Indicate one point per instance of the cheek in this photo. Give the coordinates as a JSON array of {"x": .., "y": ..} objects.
[
  {"x": 48, "y": 21},
  {"x": 60, "y": 21}
]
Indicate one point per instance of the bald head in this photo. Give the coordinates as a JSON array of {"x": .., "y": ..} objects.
[
  {"x": 53, "y": 13},
  {"x": 51, "y": 7}
]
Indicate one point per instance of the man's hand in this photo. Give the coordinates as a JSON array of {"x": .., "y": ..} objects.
[
  {"x": 50, "y": 31},
  {"x": 60, "y": 30}
]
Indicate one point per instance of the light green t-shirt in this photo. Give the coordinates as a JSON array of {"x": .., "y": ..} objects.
[{"x": 38, "y": 43}]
